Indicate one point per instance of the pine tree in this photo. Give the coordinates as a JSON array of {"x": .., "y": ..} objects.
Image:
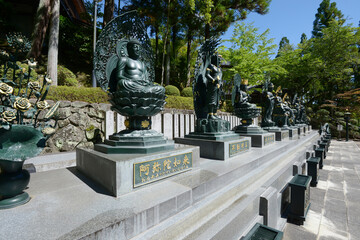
[
  {"x": 325, "y": 14},
  {"x": 284, "y": 45},
  {"x": 303, "y": 38}
]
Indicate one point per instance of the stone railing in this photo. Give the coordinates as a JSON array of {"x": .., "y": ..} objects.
[
  {"x": 171, "y": 122},
  {"x": 82, "y": 124}
]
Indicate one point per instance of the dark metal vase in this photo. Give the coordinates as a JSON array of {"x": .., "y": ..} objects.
[
  {"x": 13, "y": 180},
  {"x": 17, "y": 144}
]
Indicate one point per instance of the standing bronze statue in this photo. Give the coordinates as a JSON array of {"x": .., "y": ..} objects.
[
  {"x": 280, "y": 113},
  {"x": 207, "y": 89},
  {"x": 268, "y": 102}
]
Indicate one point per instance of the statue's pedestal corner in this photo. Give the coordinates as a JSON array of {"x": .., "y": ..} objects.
[
  {"x": 123, "y": 173},
  {"x": 220, "y": 146}
]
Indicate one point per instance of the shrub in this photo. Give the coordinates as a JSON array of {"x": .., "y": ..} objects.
[
  {"x": 187, "y": 92},
  {"x": 90, "y": 95},
  {"x": 179, "y": 102},
  {"x": 66, "y": 77},
  {"x": 172, "y": 90},
  {"x": 84, "y": 79},
  {"x": 339, "y": 114},
  {"x": 353, "y": 122}
]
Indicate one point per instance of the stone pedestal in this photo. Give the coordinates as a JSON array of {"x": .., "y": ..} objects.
[
  {"x": 218, "y": 149},
  {"x": 293, "y": 133},
  {"x": 260, "y": 139},
  {"x": 134, "y": 142},
  {"x": 300, "y": 131},
  {"x": 122, "y": 173},
  {"x": 281, "y": 135}
]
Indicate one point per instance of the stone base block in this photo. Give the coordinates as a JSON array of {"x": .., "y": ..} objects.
[
  {"x": 300, "y": 131},
  {"x": 122, "y": 173},
  {"x": 218, "y": 150},
  {"x": 260, "y": 140},
  {"x": 293, "y": 133},
  {"x": 281, "y": 135}
]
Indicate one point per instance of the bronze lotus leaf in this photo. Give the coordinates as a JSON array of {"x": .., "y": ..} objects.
[
  {"x": 48, "y": 80},
  {"x": 8, "y": 116},
  {"x": 42, "y": 105},
  {"x": 34, "y": 86},
  {"x": 22, "y": 104},
  {"x": 5, "y": 89}
]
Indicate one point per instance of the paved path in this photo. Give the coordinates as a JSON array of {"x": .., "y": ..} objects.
[{"x": 335, "y": 202}]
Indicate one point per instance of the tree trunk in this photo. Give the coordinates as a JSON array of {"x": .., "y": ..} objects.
[
  {"x": 108, "y": 11},
  {"x": 207, "y": 31},
  {"x": 188, "y": 58},
  {"x": 54, "y": 42},
  {"x": 41, "y": 24},
  {"x": 174, "y": 36},
  {"x": 165, "y": 42},
  {"x": 167, "y": 73}
]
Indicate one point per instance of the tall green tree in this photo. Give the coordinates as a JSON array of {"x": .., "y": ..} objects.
[
  {"x": 284, "y": 45},
  {"x": 224, "y": 12},
  {"x": 325, "y": 14},
  {"x": 303, "y": 38},
  {"x": 250, "y": 54}
]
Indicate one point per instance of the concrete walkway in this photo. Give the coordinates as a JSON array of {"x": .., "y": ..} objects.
[{"x": 335, "y": 202}]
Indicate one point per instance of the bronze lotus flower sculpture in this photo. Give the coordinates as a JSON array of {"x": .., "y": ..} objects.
[{"x": 22, "y": 134}]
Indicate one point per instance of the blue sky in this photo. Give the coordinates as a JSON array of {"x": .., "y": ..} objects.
[{"x": 291, "y": 18}]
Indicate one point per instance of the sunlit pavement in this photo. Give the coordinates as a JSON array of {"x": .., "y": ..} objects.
[{"x": 335, "y": 201}]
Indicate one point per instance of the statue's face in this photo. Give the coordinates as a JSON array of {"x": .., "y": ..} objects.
[
  {"x": 134, "y": 50},
  {"x": 271, "y": 87}
]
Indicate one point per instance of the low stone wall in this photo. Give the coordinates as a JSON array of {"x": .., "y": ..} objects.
[{"x": 80, "y": 124}]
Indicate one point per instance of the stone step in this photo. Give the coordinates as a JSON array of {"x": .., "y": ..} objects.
[
  {"x": 233, "y": 209},
  {"x": 49, "y": 162}
]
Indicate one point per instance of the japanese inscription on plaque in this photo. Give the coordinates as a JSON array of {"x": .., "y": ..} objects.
[
  {"x": 154, "y": 170},
  {"x": 268, "y": 139},
  {"x": 284, "y": 135},
  {"x": 238, "y": 147}
]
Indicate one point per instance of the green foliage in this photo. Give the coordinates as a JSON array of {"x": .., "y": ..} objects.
[
  {"x": 353, "y": 122},
  {"x": 172, "y": 90},
  {"x": 179, "y": 102},
  {"x": 66, "y": 77},
  {"x": 325, "y": 14},
  {"x": 187, "y": 92},
  {"x": 339, "y": 114},
  {"x": 227, "y": 106},
  {"x": 91, "y": 95},
  {"x": 249, "y": 54},
  {"x": 75, "y": 46},
  {"x": 323, "y": 112}
]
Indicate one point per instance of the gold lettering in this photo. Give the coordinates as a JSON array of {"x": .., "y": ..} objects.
[
  {"x": 238, "y": 147},
  {"x": 176, "y": 162},
  {"x": 233, "y": 147},
  {"x": 156, "y": 167},
  {"x": 186, "y": 160},
  {"x": 167, "y": 164},
  {"x": 145, "y": 169}
]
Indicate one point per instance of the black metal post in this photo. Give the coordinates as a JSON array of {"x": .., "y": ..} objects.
[{"x": 347, "y": 118}]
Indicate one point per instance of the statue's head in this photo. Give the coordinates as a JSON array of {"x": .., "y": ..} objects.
[
  {"x": 271, "y": 87},
  {"x": 244, "y": 84},
  {"x": 133, "y": 48},
  {"x": 215, "y": 59}
]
